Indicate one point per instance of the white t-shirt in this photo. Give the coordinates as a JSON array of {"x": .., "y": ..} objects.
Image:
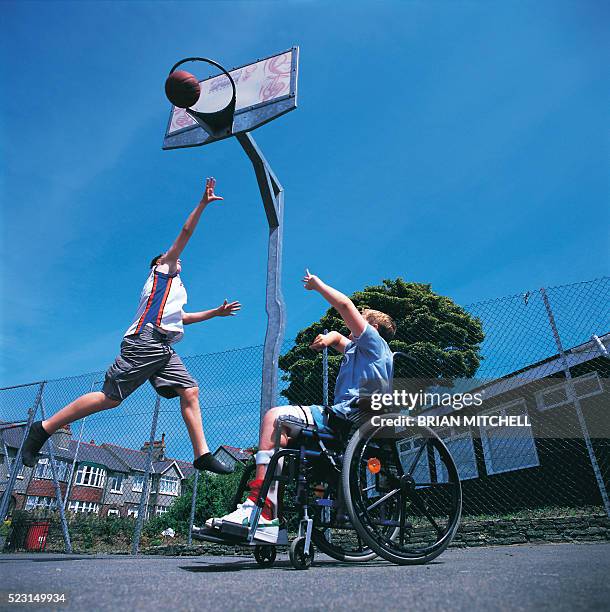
[{"x": 161, "y": 302}]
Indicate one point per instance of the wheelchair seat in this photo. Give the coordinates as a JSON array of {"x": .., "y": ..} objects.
[{"x": 335, "y": 435}]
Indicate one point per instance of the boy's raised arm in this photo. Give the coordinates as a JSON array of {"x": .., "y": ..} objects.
[
  {"x": 171, "y": 257},
  {"x": 340, "y": 302}
]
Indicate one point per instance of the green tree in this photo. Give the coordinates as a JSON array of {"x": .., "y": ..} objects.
[
  {"x": 214, "y": 497},
  {"x": 442, "y": 338}
]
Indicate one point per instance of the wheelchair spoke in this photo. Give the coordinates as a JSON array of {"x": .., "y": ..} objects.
[
  {"x": 381, "y": 500},
  {"x": 419, "y": 502},
  {"x": 417, "y": 458},
  {"x": 403, "y": 513}
]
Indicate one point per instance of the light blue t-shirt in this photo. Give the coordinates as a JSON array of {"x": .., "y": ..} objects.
[{"x": 366, "y": 368}]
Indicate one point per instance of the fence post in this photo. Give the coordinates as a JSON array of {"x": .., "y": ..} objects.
[
  {"x": 10, "y": 485},
  {"x": 71, "y": 475},
  {"x": 193, "y": 500},
  {"x": 137, "y": 533},
  {"x": 60, "y": 506},
  {"x": 78, "y": 443},
  {"x": 5, "y": 451},
  {"x": 576, "y": 402},
  {"x": 325, "y": 374}
]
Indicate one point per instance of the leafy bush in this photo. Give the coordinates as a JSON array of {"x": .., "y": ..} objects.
[{"x": 214, "y": 497}]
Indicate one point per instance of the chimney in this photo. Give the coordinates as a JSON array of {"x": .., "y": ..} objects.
[{"x": 158, "y": 453}]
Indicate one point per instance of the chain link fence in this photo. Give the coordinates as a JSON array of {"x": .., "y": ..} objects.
[{"x": 123, "y": 478}]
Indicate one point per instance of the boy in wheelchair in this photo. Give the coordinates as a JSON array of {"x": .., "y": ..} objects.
[{"x": 366, "y": 368}]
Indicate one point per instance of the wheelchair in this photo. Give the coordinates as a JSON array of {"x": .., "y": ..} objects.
[{"x": 368, "y": 489}]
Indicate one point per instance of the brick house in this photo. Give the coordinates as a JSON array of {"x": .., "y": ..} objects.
[{"x": 104, "y": 479}]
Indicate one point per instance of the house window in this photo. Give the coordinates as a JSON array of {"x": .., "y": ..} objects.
[
  {"x": 169, "y": 485},
  {"x": 508, "y": 448},
  {"x": 83, "y": 506},
  {"x": 35, "y": 502},
  {"x": 113, "y": 512},
  {"x": 90, "y": 476},
  {"x": 115, "y": 482},
  {"x": 461, "y": 448},
  {"x": 159, "y": 510},
  {"x": 557, "y": 395},
  {"x": 43, "y": 469},
  {"x": 138, "y": 483},
  {"x": 132, "y": 512}
]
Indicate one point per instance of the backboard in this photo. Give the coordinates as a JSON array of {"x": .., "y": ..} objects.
[{"x": 266, "y": 89}]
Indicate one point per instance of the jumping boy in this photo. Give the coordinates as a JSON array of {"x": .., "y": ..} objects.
[
  {"x": 147, "y": 353},
  {"x": 366, "y": 368}
]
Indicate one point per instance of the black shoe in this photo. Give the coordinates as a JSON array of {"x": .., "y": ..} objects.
[
  {"x": 33, "y": 443},
  {"x": 209, "y": 463}
]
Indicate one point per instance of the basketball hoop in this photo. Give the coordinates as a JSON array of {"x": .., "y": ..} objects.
[{"x": 218, "y": 123}]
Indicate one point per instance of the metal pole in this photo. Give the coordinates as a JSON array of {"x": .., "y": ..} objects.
[
  {"x": 5, "y": 451},
  {"x": 577, "y": 407},
  {"x": 137, "y": 533},
  {"x": 193, "y": 500},
  {"x": 325, "y": 374},
  {"x": 272, "y": 195},
  {"x": 60, "y": 506},
  {"x": 10, "y": 485},
  {"x": 71, "y": 475},
  {"x": 78, "y": 443}
]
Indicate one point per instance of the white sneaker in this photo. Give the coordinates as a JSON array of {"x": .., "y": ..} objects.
[
  {"x": 266, "y": 531},
  {"x": 238, "y": 516}
]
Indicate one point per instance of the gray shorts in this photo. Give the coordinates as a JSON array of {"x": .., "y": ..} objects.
[{"x": 146, "y": 356}]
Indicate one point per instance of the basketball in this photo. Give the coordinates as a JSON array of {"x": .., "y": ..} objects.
[{"x": 182, "y": 89}]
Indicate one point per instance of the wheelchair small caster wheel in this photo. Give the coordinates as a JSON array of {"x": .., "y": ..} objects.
[
  {"x": 265, "y": 555},
  {"x": 299, "y": 558}
]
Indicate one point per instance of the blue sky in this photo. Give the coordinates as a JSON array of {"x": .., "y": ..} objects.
[{"x": 462, "y": 144}]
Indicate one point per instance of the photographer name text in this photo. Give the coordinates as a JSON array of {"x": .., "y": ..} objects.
[{"x": 483, "y": 420}]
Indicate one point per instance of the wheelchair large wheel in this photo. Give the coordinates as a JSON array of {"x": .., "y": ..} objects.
[
  {"x": 342, "y": 544},
  {"x": 402, "y": 492}
]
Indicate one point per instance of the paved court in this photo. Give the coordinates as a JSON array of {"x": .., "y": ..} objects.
[{"x": 549, "y": 577}]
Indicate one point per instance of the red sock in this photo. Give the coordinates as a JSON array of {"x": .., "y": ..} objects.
[{"x": 255, "y": 487}]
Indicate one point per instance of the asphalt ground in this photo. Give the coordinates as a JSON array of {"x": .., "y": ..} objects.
[{"x": 542, "y": 577}]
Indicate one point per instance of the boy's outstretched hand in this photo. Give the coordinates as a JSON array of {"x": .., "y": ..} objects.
[
  {"x": 209, "y": 195},
  {"x": 310, "y": 281},
  {"x": 228, "y": 309}
]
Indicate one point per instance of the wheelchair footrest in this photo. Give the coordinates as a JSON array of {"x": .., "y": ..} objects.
[
  {"x": 218, "y": 536},
  {"x": 215, "y": 536},
  {"x": 234, "y": 530}
]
